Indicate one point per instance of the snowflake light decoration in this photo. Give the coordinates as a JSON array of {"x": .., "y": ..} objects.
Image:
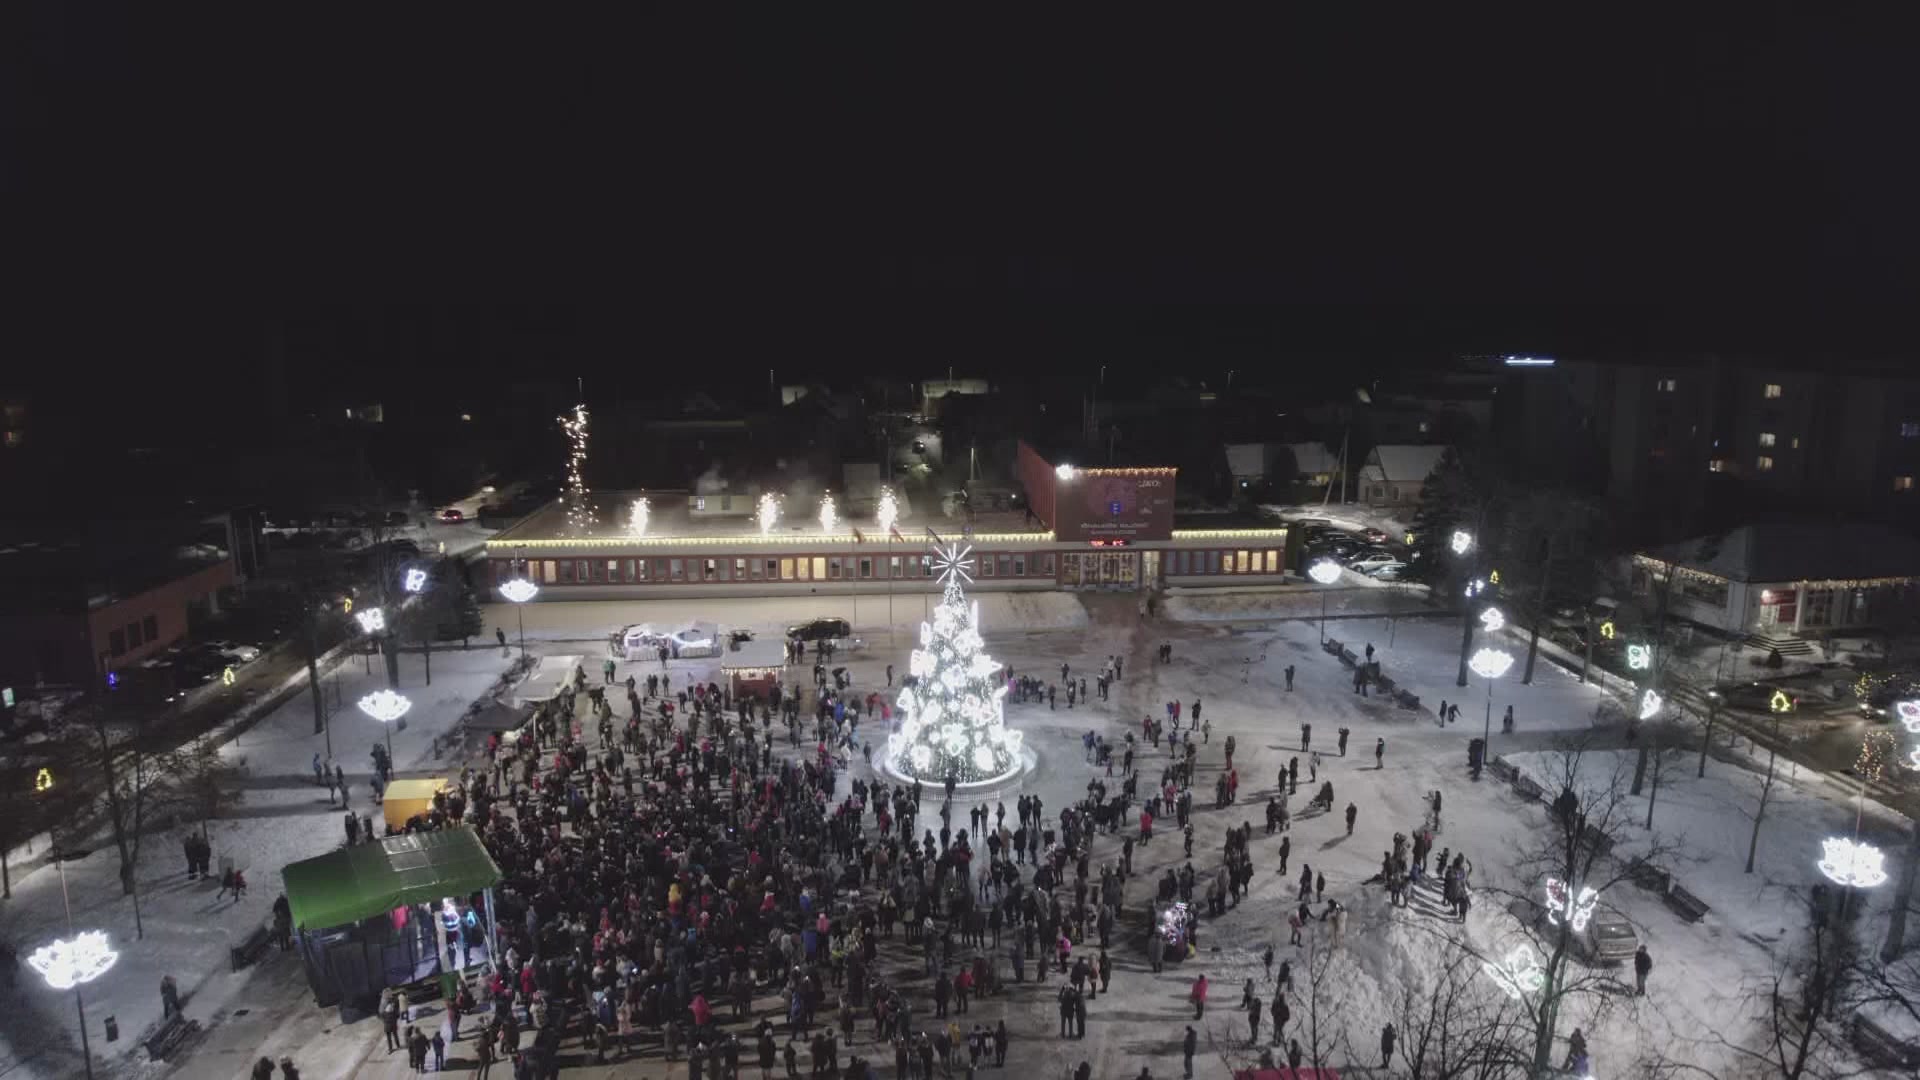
[
  {"x": 767, "y": 513},
  {"x": 637, "y": 515},
  {"x": 829, "y": 514},
  {"x": 954, "y": 565},
  {"x": 67, "y": 964},
  {"x": 1491, "y": 620},
  {"x": 1519, "y": 974},
  {"x": 519, "y": 590},
  {"x": 385, "y": 705},
  {"x": 1650, "y": 703},
  {"x": 1852, "y": 863},
  {"x": 1490, "y": 663},
  {"x": 1562, "y": 904}
]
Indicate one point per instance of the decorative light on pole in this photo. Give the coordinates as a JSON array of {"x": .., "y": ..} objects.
[
  {"x": 1326, "y": 572},
  {"x": 415, "y": 580},
  {"x": 1474, "y": 587},
  {"x": 372, "y": 620},
  {"x": 1460, "y": 542},
  {"x": 1490, "y": 664},
  {"x": 386, "y": 706},
  {"x": 1563, "y": 904},
  {"x": 1852, "y": 863},
  {"x": 1519, "y": 974},
  {"x": 1909, "y": 714},
  {"x": 1650, "y": 703},
  {"x": 767, "y": 513},
  {"x": 637, "y": 516},
  {"x": 1492, "y": 621},
  {"x": 829, "y": 515},
  {"x": 1607, "y": 630},
  {"x": 1780, "y": 702},
  {"x": 1639, "y": 657},
  {"x": 68, "y": 965},
  {"x": 520, "y": 590}
]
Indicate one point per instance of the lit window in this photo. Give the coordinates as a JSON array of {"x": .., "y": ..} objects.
[
  {"x": 1424, "y": 426},
  {"x": 1772, "y": 390},
  {"x": 1767, "y": 438},
  {"x": 1666, "y": 386},
  {"x": 819, "y": 567},
  {"x": 1795, "y": 443},
  {"x": 1903, "y": 483},
  {"x": 699, "y": 502},
  {"x": 1910, "y": 429},
  {"x": 1717, "y": 465},
  {"x": 1764, "y": 463}
]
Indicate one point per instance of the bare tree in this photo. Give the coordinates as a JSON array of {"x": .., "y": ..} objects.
[
  {"x": 1458, "y": 1027},
  {"x": 1802, "y": 1032},
  {"x": 209, "y": 783},
  {"x": 138, "y": 781}
]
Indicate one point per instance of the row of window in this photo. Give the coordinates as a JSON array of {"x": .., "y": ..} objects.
[
  {"x": 135, "y": 634},
  {"x": 1266, "y": 561},
  {"x": 633, "y": 571}
]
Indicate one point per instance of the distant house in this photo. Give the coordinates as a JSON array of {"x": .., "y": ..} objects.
[
  {"x": 1788, "y": 580},
  {"x": 1314, "y": 465},
  {"x": 1395, "y": 475},
  {"x": 1250, "y": 463}
]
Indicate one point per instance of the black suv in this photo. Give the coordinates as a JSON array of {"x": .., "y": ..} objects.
[{"x": 819, "y": 630}]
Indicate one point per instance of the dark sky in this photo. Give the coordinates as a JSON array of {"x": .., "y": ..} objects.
[{"x": 724, "y": 197}]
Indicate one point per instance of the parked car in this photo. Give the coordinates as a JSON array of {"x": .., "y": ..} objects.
[
  {"x": 1752, "y": 696},
  {"x": 1363, "y": 554},
  {"x": 452, "y": 515},
  {"x": 1339, "y": 549},
  {"x": 235, "y": 652},
  {"x": 1373, "y": 536},
  {"x": 1386, "y": 569},
  {"x": 821, "y": 629},
  {"x": 1608, "y": 938}
]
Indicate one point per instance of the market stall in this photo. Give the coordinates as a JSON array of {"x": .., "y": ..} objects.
[
  {"x": 405, "y": 798},
  {"x": 754, "y": 668}
]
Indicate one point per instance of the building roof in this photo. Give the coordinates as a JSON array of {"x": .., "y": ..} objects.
[
  {"x": 1313, "y": 457},
  {"x": 1402, "y": 464},
  {"x": 1247, "y": 459},
  {"x": 1809, "y": 551},
  {"x": 670, "y": 522},
  {"x": 354, "y": 883}
]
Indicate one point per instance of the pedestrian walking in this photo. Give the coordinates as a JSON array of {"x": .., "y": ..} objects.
[
  {"x": 1187, "y": 1047},
  {"x": 1289, "y": 678},
  {"x": 1386, "y": 1046},
  {"x": 1352, "y": 813},
  {"x": 1379, "y": 753},
  {"x": 1199, "y": 996},
  {"x": 1343, "y": 741},
  {"x": 1642, "y": 965}
]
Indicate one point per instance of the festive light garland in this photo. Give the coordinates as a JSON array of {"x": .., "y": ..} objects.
[
  {"x": 67, "y": 964},
  {"x": 1461, "y": 541},
  {"x": 952, "y": 719},
  {"x": 1876, "y": 751},
  {"x": 1490, "y": 663},
  {"x": 1562, "y": 904},
  {"x": 1909, "y": 714},
  {"x": 385, "y": 705},
  {"x": 580, "y": 515}
]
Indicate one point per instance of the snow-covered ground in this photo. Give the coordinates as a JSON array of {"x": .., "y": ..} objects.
[
  {"x": 594, "y": 620},
  {"x": 283, "y": 818},
  {"x": 1235, "y": 666}
]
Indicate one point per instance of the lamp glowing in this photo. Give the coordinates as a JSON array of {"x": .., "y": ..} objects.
[
  {"x": 371, "y": 621},
  {"x": 1461, "y": 542},
  {"x": 1909, "y": 713},
  {"x": 1492, "y": 621},
  {"x": 1781, "y": 703},
  {"x": 1064, "y": 472},
  {"x": 1650, "y": 703},
  {"x": 1490, "y": 663},
  {"x": 1519, "y": 974},
  {"x": 67, "y": 964},
  {"x": 888, "y": 511},
  {"x": 829, "y": 515},
  {"x": 385, "y": 706},
  {"x": 1852, "y": 863},
  {"x": 1639, "y": 657},
  {"x": 1326, "y": 571},
  {"x": 519, "y": 590}
]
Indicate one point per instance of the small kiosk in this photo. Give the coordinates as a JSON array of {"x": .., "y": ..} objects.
[
  {"x": 755, "y": 667},
  {"x": 405, "y": 798}
]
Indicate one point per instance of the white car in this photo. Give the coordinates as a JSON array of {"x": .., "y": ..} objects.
[
  {"x": 1373, "y": 562},
  {"x": 1390, "y": 570},
  {"x": 239, "y": 654}
]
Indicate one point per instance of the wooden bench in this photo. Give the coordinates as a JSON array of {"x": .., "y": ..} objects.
[
  {"x": 1332, "y": 646},
  {"x": 1881, "y": 1046},
  {"x": 1651, "y": 878},
  {"x": 1406, "y": 699},
  {"x": 251, "y": 948},
  {"x": 168, "y": 1036},
  {"x": 1686, "y": 905}
]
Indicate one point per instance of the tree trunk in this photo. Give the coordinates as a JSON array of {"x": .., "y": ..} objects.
[
  {"x": 1760, "y": 812},
  {"x": 1586, "y": 662},
  {"x": 1466, "y": 645},
  {"x": 1653, "y": 796},
  {"x": 1897, "y": 926},
  {"x": 313, "y": 678},
  {"x": 1639, "y": 770},
  {"x": 6, "y": 876},
  {"x": 1539, "y": 612},
  {"x": 390, "y": 650},
  {"x": 1713, "y": 713},
  {"x": 426, "y": 651}
]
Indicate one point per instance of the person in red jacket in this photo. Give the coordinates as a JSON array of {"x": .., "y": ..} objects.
[
  {"x": 1146, "y": 825},
  {"x": 702, "y": 1012},
  {"x": 1199, "y": 996}
]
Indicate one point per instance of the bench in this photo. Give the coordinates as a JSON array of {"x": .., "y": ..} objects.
[
  {"x": 1348, "y": 657},
  {"x": 1406, "y": 699},
  {"x": 1651, "y": 878},
  {"x": 251, "y": 948},
  {"x": 1881, "y": 1046},
  {"x": 168, "y": 1036},
  {"x": 1332, "y": 646},
  {"x": 1686, "y": 905},
  {"x": 1383, "y": 684}
]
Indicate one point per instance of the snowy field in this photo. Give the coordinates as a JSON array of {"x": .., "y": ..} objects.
[
  {"x": 593, "y": 620},
  {"x": 1237, "y": 672}
]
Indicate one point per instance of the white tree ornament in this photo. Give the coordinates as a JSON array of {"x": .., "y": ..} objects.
[
  {"x": 1519, "y": 974},
  {"x": 1852, "y": 863},
  {"x": 952, "y": 720}
]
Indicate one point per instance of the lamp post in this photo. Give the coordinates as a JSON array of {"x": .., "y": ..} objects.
[
  {"x": 68, "y": 965},
  {"x": 1490, "y": 664},
  {"x": 1326, "y": 572},
  {"x": 520, "y": 590},
  {"x": 386, "y": 707}
]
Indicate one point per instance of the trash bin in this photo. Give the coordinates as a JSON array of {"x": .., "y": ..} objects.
[{"x": 113, "y": 1029}]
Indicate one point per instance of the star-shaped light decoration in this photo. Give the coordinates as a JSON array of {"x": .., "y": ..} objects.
[
  {"x": 954, "y": 565},
  {"x": 67, "y": 964},
  {"x": 1519, "y": 974},
  {"x": 1852, "y": 863}
]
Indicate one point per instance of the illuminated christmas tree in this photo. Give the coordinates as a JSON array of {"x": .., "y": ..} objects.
[
  {"x": 579, "y": 500},
  {"x": 952, "y": 719}
]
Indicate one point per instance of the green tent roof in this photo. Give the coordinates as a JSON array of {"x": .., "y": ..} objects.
[{"x": 355, "y": 883}]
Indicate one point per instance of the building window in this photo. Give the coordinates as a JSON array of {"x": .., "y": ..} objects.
[
  {"x": 1046, "y": 564},
  {"x": 1273, "y": 561},
  {"x": 699, "y": 502},
  {"x": 1772, "y": 390},
  {"x": 133, "y": 635},
  {"x": 819, "y": 567},
  {"x": 786, "y": 569},
  {"x": 117, "y": 642},
  {"x": 639, "y": 570},
  {"x": 1213, "y": 562},
  {"x": 739, "y": 569},
  {"x": 833, "y": 568},
  {"x": 547, "y": 573},
  {"x": 1424, "y": 427},
  {"x": 151, "y": 624},
  {"x": 676, "y": 569},
  {"x": 1767, "y": 438},
  {"x": 1242, "y": 557},
  {"x": 773, "y": 570},
  {"x": 1903, "y": 483},
  {"x": 986, "y": 566},
  {"x": 566, "y": 571},
  {"x": 595, "y": 571},
  {"x": 1717, "y": 465},
  {"x": 1019, "y": 566},
  {"x": 709, "y": 570},
  {"x": 1764, "y": 463},
  {"x": 1006, "y": 566},
  {"x": 1666, "y": 386},
  {"x": 866, "y": 567},
  {"x": 1910, "y": 429},
  {"x": 1795, "y": 443},
  {"x": 756, "y": 569}
]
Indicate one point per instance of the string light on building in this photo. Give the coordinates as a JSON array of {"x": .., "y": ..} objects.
[
  {"x": 1650, "y": 703},
  {"x": 637, "y": 514},
  {"x": 580, "y": 515},
  {"x": 1852, "y": 863},
  {"x": 767, "y": 513},
  {"x": 887, "y": 512},
  {"x": 1460, "y": 542},
  {"x": 1519, "y": 974},
  {"x": 829, "y": 514},
  {"x": 1492, "y": 621},
  {"x": 952, "y": 719}
]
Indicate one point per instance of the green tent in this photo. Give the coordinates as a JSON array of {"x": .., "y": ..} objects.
[{"x": 343, "y": 887}]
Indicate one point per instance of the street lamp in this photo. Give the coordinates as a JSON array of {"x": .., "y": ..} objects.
[
  {"x": 1326, "y": 572},
  {"x": 67, "y": 965},
  {"x": 1490, "y": 664},
  {"x": 386, "y": 706},
  {"x": 520, "y": 590}
]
